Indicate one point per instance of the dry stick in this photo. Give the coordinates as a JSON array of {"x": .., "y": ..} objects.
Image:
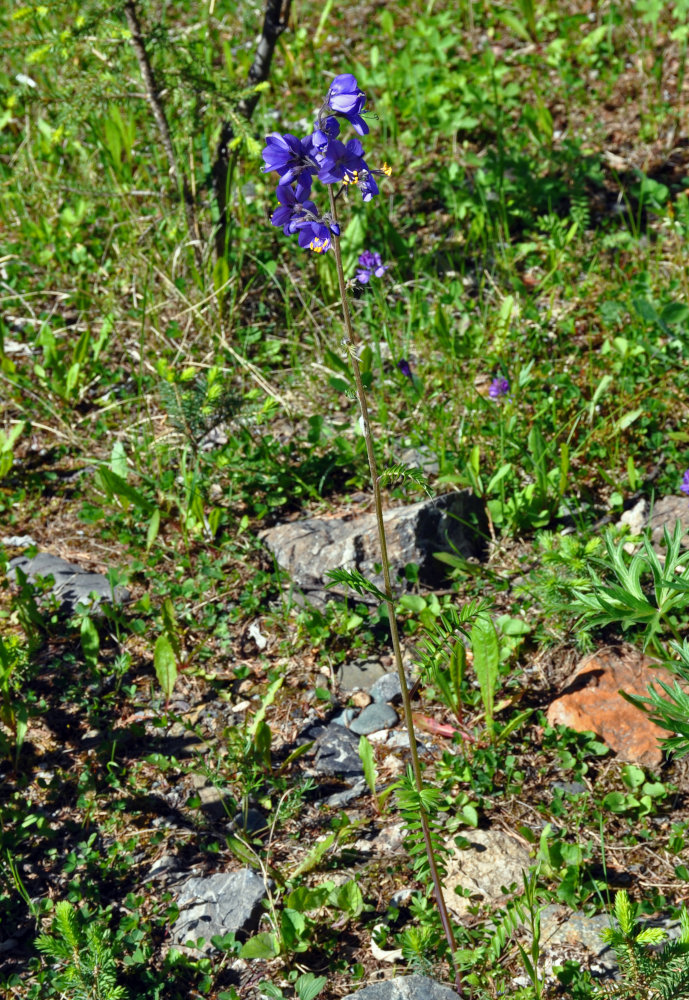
[
  {"x": 416, "y": 767},
  {"x": 274, "y": 23},
  {"x": 154, "y": 99}
]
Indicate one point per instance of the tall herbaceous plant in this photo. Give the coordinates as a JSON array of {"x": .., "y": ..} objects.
[{"x": 324, "y": 157}]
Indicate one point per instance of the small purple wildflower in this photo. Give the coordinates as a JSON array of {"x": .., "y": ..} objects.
[
  {"x": 346, "y": 100},
  {"x": 499, "y": 387},
  {"x": 370, "y": 266},
  {"x": 342, "y": 161},
  {"x": 290, "y": 157},
  {"x": 685, "y": 483},
  {"x": 405, "y": 368}
]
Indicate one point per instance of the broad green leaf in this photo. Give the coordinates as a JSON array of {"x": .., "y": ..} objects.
[
  {"x": 264, "y": 945},
  {"x": 165, "y": 665},
  {"x": 486, "y": 650},
  {"x": 368, "y": 763}
]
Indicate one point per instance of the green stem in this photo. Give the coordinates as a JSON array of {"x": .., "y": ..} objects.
[{"x": 387, "y": 586}]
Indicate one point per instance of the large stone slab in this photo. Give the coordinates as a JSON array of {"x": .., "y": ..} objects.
[
  {"x": 493, "y": 860},
  {"x": 210, "y": 905},
  {"x": 73, "y": 585},
  {"x": 591, "y": 701},
  {"x": 405, "y": 988},
  {"x": 309, "y": 548}
]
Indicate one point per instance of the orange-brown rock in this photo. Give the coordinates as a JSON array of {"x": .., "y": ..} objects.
[{"x": 591, "y": 701}]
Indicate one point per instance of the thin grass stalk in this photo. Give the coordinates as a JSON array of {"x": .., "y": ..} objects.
[{"x": 387, "y": 586}]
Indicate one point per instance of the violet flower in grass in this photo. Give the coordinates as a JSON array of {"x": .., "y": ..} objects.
[
  {"x": 291, "y": 158},
  {"x": 371, "y": 265},
  {"x": 292, "y": 212},
  {"x": 340, "y": 161},
  {"x": 499, "y": 387},
  {"x": 405, "y": 368},
  {"x": 346, "y": 100},
  {"x": 685, "y": 483}
]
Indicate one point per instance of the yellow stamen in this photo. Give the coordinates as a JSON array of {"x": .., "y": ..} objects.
[{"x": 387, "y": 170}]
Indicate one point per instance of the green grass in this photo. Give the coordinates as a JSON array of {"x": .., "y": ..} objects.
[{"x": 161, "y": 405}]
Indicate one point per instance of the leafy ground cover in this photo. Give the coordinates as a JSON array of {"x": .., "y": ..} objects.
[{"x": 173, "y": 382}]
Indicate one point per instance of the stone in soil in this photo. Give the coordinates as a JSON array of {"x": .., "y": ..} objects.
[
  {"x": 309, "y": 548},
  {"x": 387, "y": 688},
  {"x": 405, "y": 988},
  {"x": 374, "y": 718},
  {"x": 591, "y": 701},
  {"x": 359, "y": 674},
  {"x": 493, "y": 859},
  {"x": 224, "y": 903},
  {"x": 337, "y": 752},
  {"x": 72, "y": 584},
  {"x": 562, "y": 928}
]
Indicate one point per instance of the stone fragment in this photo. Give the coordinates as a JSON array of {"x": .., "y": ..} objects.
[
  {"x": 493, "y": 859},
  {"x": 665, "y": 512},
  {"x": 224, "y": 903},
  {"x": 253, "y": 821},
  {"x": 562, "y": 928},
  {"x": 374, "y": 718},
  {"x": 359, "y": 674},
  {"x": 338, "y": 800},
  {"x": 72, "y": 584},
  {"x": 308, "y": 549},
  {"x": 387, "y": 688},
  {"x": 405, "y": 988},
  {"x": 338, "y": 752},
  {"x": 591, "y": 701}
]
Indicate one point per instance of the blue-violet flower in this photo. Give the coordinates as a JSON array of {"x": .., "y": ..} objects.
[
  {"x": 371, "y": 265},
  {"x": 685, "y": 483},
  {"x": 499, "y": 387}
]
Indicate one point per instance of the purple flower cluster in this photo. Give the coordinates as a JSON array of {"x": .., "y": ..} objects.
[
  {"x": 498, "y": 387},
  {"x": 370, "y": 266},
  {"x": 323, "y": 155},
  {"x": 685, "y": 483}
]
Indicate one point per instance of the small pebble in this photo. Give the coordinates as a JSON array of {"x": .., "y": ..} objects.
[{"x": 377, "y": 716}]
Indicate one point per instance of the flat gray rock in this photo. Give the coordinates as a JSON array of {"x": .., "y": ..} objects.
[
  {"x": 405, "y": 988},
  {"x": 373, "y": 718},
  {"x": 387, "y": 688},
  {"x": 227, "y": 902},
  {"x": 493, "y": 859},
  {"x": 338, "y": 752},
  {"x": 359, "y": 674},
  {"x": 340, "y": 799},
  {"x": 562, "y": 928},
  {"x": 73, "y": 585},
  {"x": 308, "y": 549}
]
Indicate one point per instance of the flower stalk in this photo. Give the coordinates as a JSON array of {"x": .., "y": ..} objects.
[{"x": 387, "y": 588}]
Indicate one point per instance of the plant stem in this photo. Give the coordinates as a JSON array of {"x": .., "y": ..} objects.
[{"x": 387, "y": 587}]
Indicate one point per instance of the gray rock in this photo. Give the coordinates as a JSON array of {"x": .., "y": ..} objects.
[
  {"x": 224, "y": 903},
  {"x": 665, "y": 512},
  {"x": 359, "y": 674},
  {"x": 253, "y": 822},
  {"x": 338, "y": 752},
  {"x": 420, "y": 458},
  {"x": 493, "y": 859},
  {"x": 373, "y": 718},
  {"x": 72, "y": 584},
  {"x": 308, "y": 549},
  {"x": 340, "y": 799},
  {"x": 405, "y": 988},
  {"x": 563, "y": 929},
  {"x": 569, "y": 787},
  {"x": 387, "y": 688},
  {"x": 345, "y": 717}
]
